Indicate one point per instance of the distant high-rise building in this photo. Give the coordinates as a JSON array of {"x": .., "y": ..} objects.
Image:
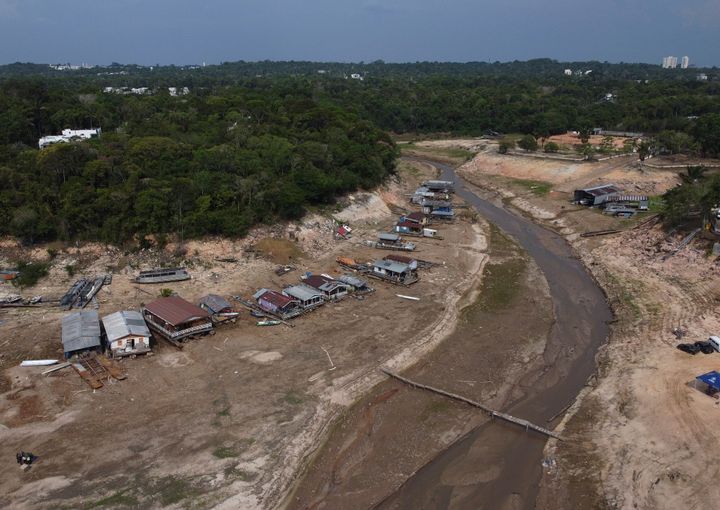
[
  {"x": 669, "y": 62},
  {"x": 685, "y": 62}
]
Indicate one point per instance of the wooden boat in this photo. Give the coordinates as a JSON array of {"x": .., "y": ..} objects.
[
  {"x": 172, "y": 274},
  {"x": 268, "y": 323}
]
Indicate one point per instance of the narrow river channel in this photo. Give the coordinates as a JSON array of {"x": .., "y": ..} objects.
[
  {"x": 582, "y": 316},
  {"x": 496, "y": 465}
]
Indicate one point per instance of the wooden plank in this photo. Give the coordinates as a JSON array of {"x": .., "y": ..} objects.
[{"x": 491, "y": 412}]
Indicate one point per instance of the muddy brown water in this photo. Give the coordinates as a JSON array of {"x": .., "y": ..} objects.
[{"x": 512, "y": 455}]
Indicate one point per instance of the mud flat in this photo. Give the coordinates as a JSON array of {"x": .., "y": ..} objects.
[{"x": 526, "y": 344}]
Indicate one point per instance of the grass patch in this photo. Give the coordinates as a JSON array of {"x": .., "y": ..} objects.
[
  {"x": 280, "y": 251},
  {"x": 452, "y": 154},
  {"x": 656, "y": 204},
  {"x": 501, "y": 283},
  {"x": 171, "y": 490},
  {"x": 224, "y": 412},
  {"x": 225, "y": 452},
  {"x": 117, "y": 499},
  {"x": 293, "y": 398},
  {"x": 536, "y": 187}
]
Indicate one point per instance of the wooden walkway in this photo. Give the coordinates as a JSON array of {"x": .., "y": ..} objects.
[{"x": 494, "y": 414}]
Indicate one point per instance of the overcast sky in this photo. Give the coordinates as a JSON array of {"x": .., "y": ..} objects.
[{"x": 213, "y": 31}]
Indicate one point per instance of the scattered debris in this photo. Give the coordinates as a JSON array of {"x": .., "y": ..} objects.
[
  {"x": 332, "y": 365},
  {"x": 38, "y": 362},
  {"x": 56, "y": 368},
  {"x": 281, "y": 270},
  {"x": 412, "y": 298},
  {"x": 82, "y": 292}
]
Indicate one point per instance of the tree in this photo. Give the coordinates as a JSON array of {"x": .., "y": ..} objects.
[
  {"x": 551, "y": 147},
  {"x": 693, "y": 174},
  {"x": 528, "y": 143},
  {"x": 707, "y": 133},
  {"x": 585, "y": 150},
  {"x": 645, "y": 148},
  {"x": 505, "y": 145},
  {"x": 584, "y": 134}
]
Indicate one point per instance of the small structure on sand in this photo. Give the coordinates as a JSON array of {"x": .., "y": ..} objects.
[
  {"x": 127, "y": 334},
  {"x": 356, "y": 284},
  {"x": 174, "y": 319},
  {"x": 596, "y": 195},
  {"x": 80, "y": 332},
  {"x": 219, "y": 308},
  {"x": 393, "y": 272}
]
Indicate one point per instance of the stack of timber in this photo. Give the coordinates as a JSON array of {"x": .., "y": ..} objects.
[{"x": 96, "y": 370}]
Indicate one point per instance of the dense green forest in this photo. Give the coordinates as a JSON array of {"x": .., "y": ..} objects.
[{"x": 253, "y": 142}]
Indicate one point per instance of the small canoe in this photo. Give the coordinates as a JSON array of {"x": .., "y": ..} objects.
[
  {"x": 268, "y": 323},
  {"x": 255, "y": 313}
]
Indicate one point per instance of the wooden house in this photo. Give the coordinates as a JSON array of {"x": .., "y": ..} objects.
[
  {"x": 409, "y": 227},
  {"x": 415, "y": 217},
  {"x": 394, "y": 272},
  {"x": 126, "y": 333},
  {"x": 173, "y": 318},
  {"x": 410, "y": 262},
  {"x": 308, "y": 297},
  {"x": 276, "y": 303},
  {"x": 331, "y": 289},
  {"x": 81, "y": 332}
]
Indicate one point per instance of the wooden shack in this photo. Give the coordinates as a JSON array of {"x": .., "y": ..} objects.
[
  {"x": 174, "y": 319},
  {"x": 219, "y": 308},
  {"x": 127, "y": 333},
  {"x": 276, "y": 303},
  {"x": 331, "y": 289}
]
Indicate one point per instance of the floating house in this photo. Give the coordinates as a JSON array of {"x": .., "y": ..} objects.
[
  {"x": 428, "y": 206},
  {"x": 173, "y": 318},
  {"x": 442, "y": 214},
  {"x": 410, "y": 262},
  {"x": 332, "y": 289},
  {"x": 219, "y": 308},
  {"x": 356, "y": 284},
  {"x": 81, "y": 332},
  {"x": 127, "y": 334},
  {"x": 415, "y": 217},
  {"x": 440, "y": 186},
  {"x": 276, "y": 303},
  {"x": 394, "y": 272},
  {"x": 423, "y": 193},
  {"x": 409, "y": 228},
  {"x": 308, "y": 297}
]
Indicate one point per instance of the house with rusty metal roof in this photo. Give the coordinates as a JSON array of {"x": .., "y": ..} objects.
[
  {"x": 126, "y": 333},
  {"x": 81, "y": 332},
  {"x": 277, "y": 303},
  {"x": 174, "y": 319}
]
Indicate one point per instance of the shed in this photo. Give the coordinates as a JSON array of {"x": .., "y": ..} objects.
[
  {"x": 126, "y": 333},
  {"x": 595, "y": 195},
  {"x": 331, "y": 288},
  {"x": 442, "y": 214},
  {"x": 415, "y": 217},
  {"x": 308, "y": 297},
  {"x": 216, "y": 304},
  {"x": 80, "y": 332},
  {"x": 174, "y": 318}
]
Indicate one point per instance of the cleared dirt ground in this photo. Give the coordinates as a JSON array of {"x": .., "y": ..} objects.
[
  {"x": 229, "y": 420},
  {"x": 642, "y": 436}
]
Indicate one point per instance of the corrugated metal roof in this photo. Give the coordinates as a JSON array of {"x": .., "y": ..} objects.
[
  {"x": 121, "y": 324},
  {"x": 358, "y": 283},
  {"x": 322, "y": 282},
  {"x": 392, "y": 266},
  {"x": 302, "y": 292},
  {"x": 603, "y": 189},
  {"x": 415, "y": 216},
  {"x": 627, "y": 198},
  {"x": 409, "y": 224},
  {"x": 399, "y": 258},
  {"x": 80, "y": 330},
  {"x": 384, "y": 236},
  {"x": 175, "y": 310},
  {"x": 215, "y": 303}
]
